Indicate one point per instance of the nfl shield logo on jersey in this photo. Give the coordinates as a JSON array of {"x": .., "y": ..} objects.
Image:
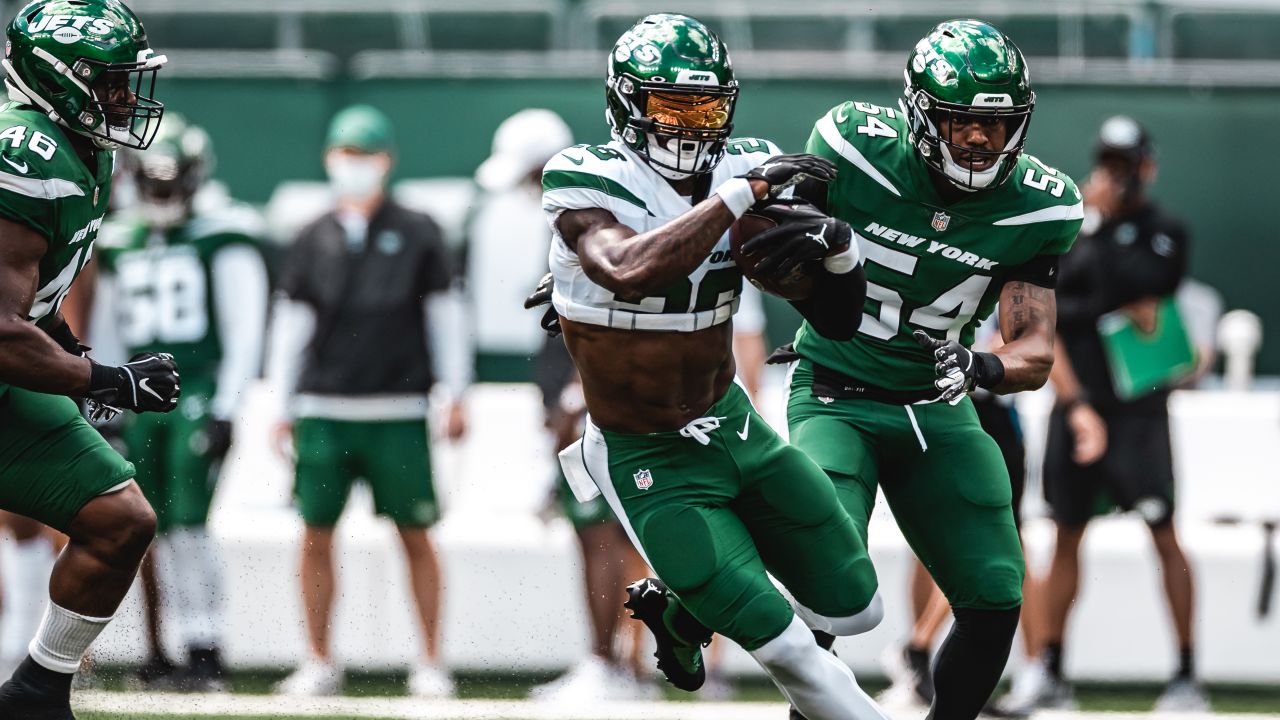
[
  {"x": 644, "y": 479},
  {"x": 940, "y": 221}
]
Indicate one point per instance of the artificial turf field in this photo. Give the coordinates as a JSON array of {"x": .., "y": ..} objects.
[{"x": 381, "y": 697}]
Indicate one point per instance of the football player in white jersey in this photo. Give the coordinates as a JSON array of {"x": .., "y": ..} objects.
[{"x": 644, "y": 287}]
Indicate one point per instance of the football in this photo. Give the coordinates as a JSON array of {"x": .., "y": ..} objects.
[{"x": 796, "y": 286}]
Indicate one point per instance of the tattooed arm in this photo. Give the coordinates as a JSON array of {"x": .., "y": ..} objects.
[
  {"x": 635, "y": 265},
  {"x": 1028, "y": 318}
]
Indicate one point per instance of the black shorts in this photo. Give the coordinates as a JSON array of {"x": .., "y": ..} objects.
[
  {"x": 553, "y": 370},
  {"x": 1000, "y": 421},
  {"x": 1136, "y": 473}
]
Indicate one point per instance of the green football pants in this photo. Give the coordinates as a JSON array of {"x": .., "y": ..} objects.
[
  {"x": 943, "y": 476},
  {"x": 174, "y": 471},
  {"x": 52, "y": 462},
  {"x": 715, "y": 506}
]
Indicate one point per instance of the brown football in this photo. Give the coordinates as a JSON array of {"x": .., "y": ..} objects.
[{"x": 796, "y": 286}]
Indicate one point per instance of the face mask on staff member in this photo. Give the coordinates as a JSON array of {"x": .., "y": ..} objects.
[{"x": 357, "y": 175}]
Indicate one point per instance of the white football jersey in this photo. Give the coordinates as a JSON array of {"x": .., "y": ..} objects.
[{"x": 612, "y": 177}]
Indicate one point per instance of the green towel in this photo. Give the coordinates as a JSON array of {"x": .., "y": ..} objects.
[{"x": 1143, "y": 362}]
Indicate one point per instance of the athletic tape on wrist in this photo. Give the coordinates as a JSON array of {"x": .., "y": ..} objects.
[
  {"x": 737, "y": 195},
  {"x": 843, "y": 262}
]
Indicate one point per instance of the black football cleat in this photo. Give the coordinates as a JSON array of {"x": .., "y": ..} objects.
[
  {"x": 34, "y": 693},
  {"x": 680, "y": 661}
]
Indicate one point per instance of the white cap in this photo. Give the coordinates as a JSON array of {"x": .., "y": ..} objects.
[{"x": 523, "y": 143}]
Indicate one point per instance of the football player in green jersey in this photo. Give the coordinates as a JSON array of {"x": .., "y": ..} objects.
[
  {"x": 184, "y": 272},
  {"x": 79, "y": 75},
  {"x": 951, "y": 216},
  {"x": 645, "y": 289}
]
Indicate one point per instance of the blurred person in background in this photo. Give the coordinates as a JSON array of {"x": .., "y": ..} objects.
[
  {"x": 190, "y": 279},
  {"x": 1105, "y": 450},
  {"x": 908, "y": 665},
  {"x": 357, "y": 346},
  {"x": 508, "y": 234}
]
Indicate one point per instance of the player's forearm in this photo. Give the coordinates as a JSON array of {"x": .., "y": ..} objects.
[
  {"x": 30, "y": 359},
  {"x": 638, "y": 266},
  {"x": 1027, "y": 364},
  {"x": 1028, "y": 315}
]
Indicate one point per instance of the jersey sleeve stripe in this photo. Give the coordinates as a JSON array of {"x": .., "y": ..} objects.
[
  {"x": 566, "y": 179},
  {"x": 36, "y": 188},
  {"x": 1050, "y": 214},
  {"x": 831, "y": 134}
]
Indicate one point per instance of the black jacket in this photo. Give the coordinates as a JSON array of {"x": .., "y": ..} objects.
[
  {"x": 370, "y": 335},
  {"x": 1141, "y": 254}
]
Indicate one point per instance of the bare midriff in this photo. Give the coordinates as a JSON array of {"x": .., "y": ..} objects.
[{"x": 645, "y": 382}]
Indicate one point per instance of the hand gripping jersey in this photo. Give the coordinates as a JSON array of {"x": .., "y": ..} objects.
[
  {"x": 165, "y": 284},
  {"x": 611, "y": 177},
  {"x": 46, "y": 186},
  {"x": 929, "y": 266}
]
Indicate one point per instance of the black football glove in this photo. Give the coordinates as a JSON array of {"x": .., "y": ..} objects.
[
  {"x": 541, "y": 295},
  {"x": 783, "y": 171},
  {"x": 216, "y": 440},
  {"x": 959, "y": 368},
  {"x": 803, "y": 235},
  {"x": 147, "y": 383}
]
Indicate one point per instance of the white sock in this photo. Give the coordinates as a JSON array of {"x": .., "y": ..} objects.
[
  {"x": 197, "y": 585},
  {"x": 63, "y": 638},
  {"x": 816, "y": 682},
  {"x": 27, "y": 565}
]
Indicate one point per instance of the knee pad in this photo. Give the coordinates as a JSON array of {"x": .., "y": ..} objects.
[
  {"x": 689, "y": 563},
  {"x": 757, "y": 622},
  {"x": 854, "y": 624}
]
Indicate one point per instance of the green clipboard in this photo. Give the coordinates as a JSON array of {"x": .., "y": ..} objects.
[{"x": 1141, "y": 362}]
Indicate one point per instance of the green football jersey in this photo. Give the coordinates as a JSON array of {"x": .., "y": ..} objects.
[
  {"x": 164, "y": 283},
  {"x": 929, "y": 266},
  {"x": 46, "y": 186}
]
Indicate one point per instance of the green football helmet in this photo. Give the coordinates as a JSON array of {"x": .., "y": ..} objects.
[
  {"x": 169, "y": 173},
  {"x": 87, "y": 65},
  {"x": 967, "y": 71},
  {"x": 671, "y": 93}
]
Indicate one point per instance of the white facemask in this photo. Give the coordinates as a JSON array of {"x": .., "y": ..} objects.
[{"x": 355, "y": 177}]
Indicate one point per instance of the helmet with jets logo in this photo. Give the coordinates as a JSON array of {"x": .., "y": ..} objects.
[
  {"x": 671, "y": 93},
  {"x": 962, "y": 72},
  {"x": 87, "y": 65}
]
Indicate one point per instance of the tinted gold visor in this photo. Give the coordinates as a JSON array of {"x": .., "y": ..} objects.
[{"x": 696, "y": 112}]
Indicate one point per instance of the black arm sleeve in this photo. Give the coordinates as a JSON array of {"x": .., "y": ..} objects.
[
  {"x": 67, "y": 340},
  {"x": 835, "y": 307}
]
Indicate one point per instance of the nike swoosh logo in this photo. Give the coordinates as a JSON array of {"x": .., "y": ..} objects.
[
  {"x": 841, "y": 114},
  {"x": 573, "y": 159},
  {"x": 145, "y": 384},
  {"x": 746, "y": 428},
  {"x": 20, "y": 168}
]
